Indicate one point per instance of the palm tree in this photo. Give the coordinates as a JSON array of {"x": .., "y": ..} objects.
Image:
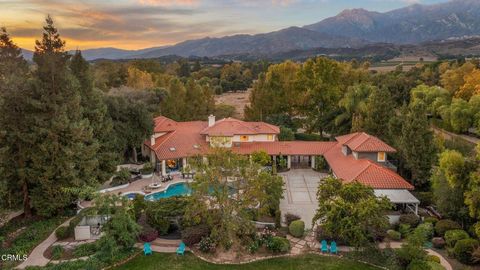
[{"x": 352, "y": 104}]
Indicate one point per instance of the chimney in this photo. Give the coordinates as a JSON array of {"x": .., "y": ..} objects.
[
  {"x": 211, "y": 120},
  {"x": 152, "y": 140}
]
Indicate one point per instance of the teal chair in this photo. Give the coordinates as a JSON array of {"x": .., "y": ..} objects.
[
  {"x": 147, "y": 249},
  {"x": 333, "y": 247},
  {"x": 181, "y": 249},
  {"x": 324, "y": 247}
]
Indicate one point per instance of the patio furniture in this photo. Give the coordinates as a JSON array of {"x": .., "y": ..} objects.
[
  {"x": 181, "y": 249},
  {"x": 147, "y": 249},
  {"x": 324, "y": 247},
  {"x": 167, "y": 178},
  {"x": 333, "y": 247}
]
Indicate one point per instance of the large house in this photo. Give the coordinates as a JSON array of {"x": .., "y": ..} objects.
[{"x": 352, "y": 157}]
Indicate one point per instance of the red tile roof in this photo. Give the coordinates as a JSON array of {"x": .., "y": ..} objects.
[
  {"x": 364, "y": 171},
  {"x": 185, "y": 139},
  {"x": 362, "y": 142},
  {"x": 164, "y": 124},
  {"x": 301, "y": 148},
  {"x": 230, "y": 126}
]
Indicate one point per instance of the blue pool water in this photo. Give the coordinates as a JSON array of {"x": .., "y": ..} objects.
[{"x": 179, "y": 189}]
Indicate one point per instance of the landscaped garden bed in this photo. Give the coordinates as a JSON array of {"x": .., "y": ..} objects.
[
  {"x": 190, "y": 262},
  {"x": 20, "y": 236}
]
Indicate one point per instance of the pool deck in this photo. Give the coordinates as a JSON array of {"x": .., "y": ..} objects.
[{"x": 138, "y": 186}]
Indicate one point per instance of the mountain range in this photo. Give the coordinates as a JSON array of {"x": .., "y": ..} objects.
[{"x": 359, "y": 28}]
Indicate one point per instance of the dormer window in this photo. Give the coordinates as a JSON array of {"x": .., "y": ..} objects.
[{"x": 381, "y": 157}]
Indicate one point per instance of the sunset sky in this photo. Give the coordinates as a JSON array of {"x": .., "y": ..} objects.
[{"x": 135, "y": 24}]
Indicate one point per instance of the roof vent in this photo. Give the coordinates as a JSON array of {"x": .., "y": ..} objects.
[
  {"x": 172, "y": 149},
  {"x": 196, "y": 146}
]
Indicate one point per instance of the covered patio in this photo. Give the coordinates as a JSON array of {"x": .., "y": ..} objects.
[{"x": 402, "y": 199}]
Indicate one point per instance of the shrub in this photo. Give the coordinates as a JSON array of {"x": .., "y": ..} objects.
[
  {"x": 147, "y": 168},
  {"x": 410, "y": 219},
  {"x": 278, "y": 245},
  {"x": 57, "y": 252},
  {"x": 418, "y": 265},
  {"x": 452, "y": 236},
  {"x": 445, "y": 225},
  {"x": 321, "y": 234},
  {"x": 463, "y": 250},
  {"x": 425, "y": 229},
  {"x": 433, "y": 258},
  {"x": 394, "y": 235},
  {"x": 289, "y": 218},
  {"x": 438, "y": 242},
  {"x": 162, "y": 225},
  {"x": 207, "y": 245},
  {"x": 86, "y": 249},
  {"x": 432, "y": 220},
  {"x": 297, "y": 228},
  {"x": 121, "y": 178},
  {"x": 404, "y": 229},
  {"x": 63, "y": 232},
  {"x": 147, "y": 233},
  {"x": 193, "y": 235},
  {"x": 253, "y": 247}
]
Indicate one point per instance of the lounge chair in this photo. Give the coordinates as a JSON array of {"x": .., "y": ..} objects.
[
  {"x": 147, "y": 249},
  {"x": 324, "y": 247},
  {"x": 333, "y": 247},
  {"x": 181, "y": 249}
]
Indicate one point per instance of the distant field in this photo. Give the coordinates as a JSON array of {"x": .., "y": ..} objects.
[{"x": 238, "y": 100}]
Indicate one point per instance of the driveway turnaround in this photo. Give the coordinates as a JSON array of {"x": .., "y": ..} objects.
[{"x": 300, "y": 193}]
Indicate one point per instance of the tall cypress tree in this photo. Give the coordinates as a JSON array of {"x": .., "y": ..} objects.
[
  {"x": 95, "y": 111},
  {"x": 15, "y": 126},
  {"x": 65, "y": 151},
  {"x": 378, "y": 110},
  {"x": 416, "y": 144}
]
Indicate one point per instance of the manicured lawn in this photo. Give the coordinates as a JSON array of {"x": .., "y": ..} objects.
[{"x": 190, "y": 262}]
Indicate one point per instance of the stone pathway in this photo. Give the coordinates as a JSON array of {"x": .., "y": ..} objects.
[
  {"x": 36, "y": 258},
  {"x": 301, "y": 245}
]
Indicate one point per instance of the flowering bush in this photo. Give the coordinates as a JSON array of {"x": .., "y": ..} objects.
[{"x": 207, "y": 245}]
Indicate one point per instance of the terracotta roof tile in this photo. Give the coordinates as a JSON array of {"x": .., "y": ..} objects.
[
  {"x": 363, "y": 142},
  {"x": 285, "y": 147},
  {"x": 164, "y": 124},
  {"x": 230, "y": 126},
  {"x": 365, "y": 171}
]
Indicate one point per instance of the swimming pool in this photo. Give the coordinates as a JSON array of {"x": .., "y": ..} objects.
[{"x": 178, "y": 189}]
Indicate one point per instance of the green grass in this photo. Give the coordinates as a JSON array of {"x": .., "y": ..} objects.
[{"x": 190, "y": 262}]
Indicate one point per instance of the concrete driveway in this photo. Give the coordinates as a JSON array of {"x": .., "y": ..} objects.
[{"x": 300, "y": 193}]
